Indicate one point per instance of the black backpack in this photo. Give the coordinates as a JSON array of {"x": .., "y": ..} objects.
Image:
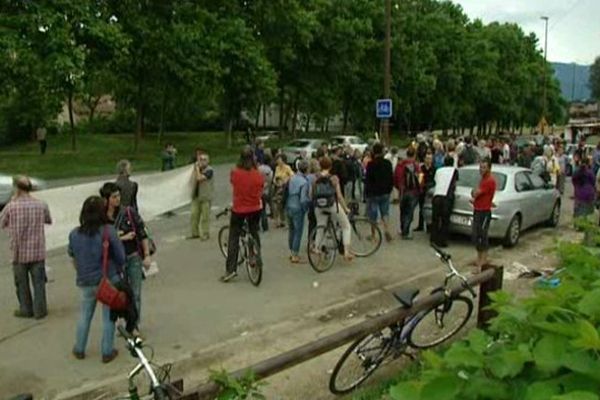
[
  {"x": 411, "y": 182},
  {"x": 324, "y": 195}
]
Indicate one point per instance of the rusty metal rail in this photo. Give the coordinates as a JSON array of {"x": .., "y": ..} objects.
[{"x": 491, "y": 275}]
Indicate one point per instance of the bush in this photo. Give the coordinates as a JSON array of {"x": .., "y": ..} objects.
[{"x": 546, "y": 347}]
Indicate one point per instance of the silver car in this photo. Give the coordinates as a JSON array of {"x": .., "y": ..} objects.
[
  {"x": 6, "y": 187},
  {"x": 354, "y": 142},
  {"x": 295, "y": 148},
  {"x": 522, "y": 200}
]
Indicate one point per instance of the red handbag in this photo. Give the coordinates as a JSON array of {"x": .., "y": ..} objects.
[{"x": 107, "y": 293}]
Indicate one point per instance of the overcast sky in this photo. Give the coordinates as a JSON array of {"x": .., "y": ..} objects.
[{"x": 573, "y": 28}]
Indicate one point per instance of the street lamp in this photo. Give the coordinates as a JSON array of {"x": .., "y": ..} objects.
[{"x": 544, "y": 98}]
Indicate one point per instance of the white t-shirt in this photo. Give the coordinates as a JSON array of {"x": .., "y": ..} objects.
[{"x": 443, "y": 179}]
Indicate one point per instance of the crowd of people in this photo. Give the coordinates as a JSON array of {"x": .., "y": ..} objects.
[{"x": 272, "y": 192}]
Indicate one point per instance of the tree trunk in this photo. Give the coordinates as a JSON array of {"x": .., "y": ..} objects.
[
  {"x": 161, "y": 124},
  {"x": 139, "y": 110},
  {"x": 346, "y": 112},
  {"x": 264, "y": 116},
  {"x": 281, "y": 109},
  {"x": 294, "y": 121},
  {"x": 327, "y": 125},
  {"x": 72, "y": 122},
  {"x": 257, "y": 119},
  {"x": 229, "y": 130},
  {"x": 307, "y": 122}
]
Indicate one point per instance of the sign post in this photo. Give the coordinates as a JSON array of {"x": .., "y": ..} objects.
[{"x": 383, "y": 111}]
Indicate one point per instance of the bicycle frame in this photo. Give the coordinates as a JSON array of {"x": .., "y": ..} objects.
[{"x": 134, "y": 345}]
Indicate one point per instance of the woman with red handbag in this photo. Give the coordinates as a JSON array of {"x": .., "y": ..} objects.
[{"x": 94, "y": 265}]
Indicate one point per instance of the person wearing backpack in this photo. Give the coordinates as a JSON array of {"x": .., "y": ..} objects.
[
  {"x": 407, "y": 182},
  {"x": 296, "y": 207},
  {"x": 329, "y": 202}
]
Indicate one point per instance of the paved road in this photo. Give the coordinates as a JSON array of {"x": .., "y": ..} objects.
[{"x": 186, "y": 309}]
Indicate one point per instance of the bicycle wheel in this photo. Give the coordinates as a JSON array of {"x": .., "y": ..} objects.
[
  {"x": 436, "y": 325},
  {"x": 366, "y": 237},
  {"x": 253, "y": 266},
  {"x": 224, "y": 244},
  {"x": 359, "y": 361},
  {"x": 322, "y": 255}
]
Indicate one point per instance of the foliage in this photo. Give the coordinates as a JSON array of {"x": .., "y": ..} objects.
[
  {"x": 595, "y": 78},
  {"x": 246, "y": 387},
  {"x": 543, "y": 347}
]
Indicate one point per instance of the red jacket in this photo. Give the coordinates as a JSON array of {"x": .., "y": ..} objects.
[
  {"x": 247, "y": 190},
  {"x": 400, "y": 176}
]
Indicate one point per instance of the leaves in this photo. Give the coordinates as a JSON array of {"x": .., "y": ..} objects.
[
  {"x": 548, "y": 352},
  {"x": 578, "y": 395}
]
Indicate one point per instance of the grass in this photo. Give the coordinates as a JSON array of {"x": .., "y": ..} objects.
[{"x": 98, "y": 154}]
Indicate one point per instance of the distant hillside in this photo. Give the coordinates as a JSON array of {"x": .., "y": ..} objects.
[{"x": 573, "y": 89}]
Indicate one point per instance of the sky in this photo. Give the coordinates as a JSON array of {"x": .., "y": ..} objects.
[{"x": 573, "y": 25}]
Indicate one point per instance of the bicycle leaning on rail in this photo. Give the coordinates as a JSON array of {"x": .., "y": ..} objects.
[
  {"x": 247, "y": 253},
  {"x": 423, "y": 330},
  {"x": 366, "y": 240}
]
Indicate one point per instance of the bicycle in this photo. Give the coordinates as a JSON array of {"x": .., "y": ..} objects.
[
  {"x": 158, "y": 375},
  {"x": 366, "y": 240},
  {"x": 247, "y": 253},
  {"x": 423, "y": 330}
]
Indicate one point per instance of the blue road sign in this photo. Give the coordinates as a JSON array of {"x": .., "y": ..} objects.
[{"x": 384, "y": 108}]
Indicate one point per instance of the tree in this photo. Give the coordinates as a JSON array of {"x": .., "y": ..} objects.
[{"x": 595, "y": 79}]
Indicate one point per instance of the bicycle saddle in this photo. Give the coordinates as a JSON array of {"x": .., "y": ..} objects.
[{"x": 406, "y": 297}]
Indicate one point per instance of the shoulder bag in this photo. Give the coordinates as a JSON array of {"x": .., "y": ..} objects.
[{"x": 107, "y": 293}]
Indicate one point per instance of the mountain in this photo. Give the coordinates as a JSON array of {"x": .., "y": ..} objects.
[{"x": 573, "y": 80}]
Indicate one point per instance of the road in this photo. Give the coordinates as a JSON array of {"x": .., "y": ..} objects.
[{"x": 198, "y": 323}]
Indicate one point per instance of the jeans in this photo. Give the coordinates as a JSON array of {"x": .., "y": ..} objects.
[
  {"x": 88, "y": 306},
  {"x": 408, "y": 202},
  {"x": 421, "y": 203},
  {"x": 296, "y": 227},
  {"x": 134, "y": 275},
  {"x": 200, "y": 217},
  {"x": 264, "y": 220},
  {"x": 312, "y": 220},
  {"x": 35, "y": 307},
  {"x": 235, "y": 230},
  {"x": 441, "y": 208}
]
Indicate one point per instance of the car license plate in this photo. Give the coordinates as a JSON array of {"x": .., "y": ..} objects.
[{"x": 461, "y": 220}]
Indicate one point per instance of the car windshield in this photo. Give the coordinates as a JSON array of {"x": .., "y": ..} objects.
[
  {"x": 470, "y": 178},
  {"x": 337, "y": 140},
  {"x": 299, "y": 143}
]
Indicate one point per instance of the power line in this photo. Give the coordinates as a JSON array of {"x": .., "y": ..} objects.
[{"x": 562, "y": 16}]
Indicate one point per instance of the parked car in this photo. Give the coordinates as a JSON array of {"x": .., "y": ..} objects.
[
  {"x": 522, "y": 201},
  {"x": 295, "y": 148},
  {"x": 6, "y": 187},
  {"x": 354, "y": 142}
]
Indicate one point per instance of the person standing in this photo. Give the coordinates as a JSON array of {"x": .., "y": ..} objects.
[
  {"x": 283, "y": 173},
  {"x": 127, "y": 187},
  {"x": 24, "y": 217},
  {"x": 40, "y": 134},
  {"x": 86, "y": 250},
  {"x": 168, "y": 157},
  {"x": 296, "y": 207},
  {"x": 443, "y": 200},
  {"x": 426, "y": 180},
  {"x": 379, "y": 182},
  {"x": 247, "y": 183},
  {"x": 259, "y": 151},
  {"x": 562, "y": 164},
  {"x": 265, "y": 170},
  {"x": 407, "y": 182},
  {"x": 585, "y": 190},
  {"x": 482, "y": 199},
  {"x": 132, "y": 232},
  {"x": 202, "y": 197},
  {"x": 313, "y": 173}
]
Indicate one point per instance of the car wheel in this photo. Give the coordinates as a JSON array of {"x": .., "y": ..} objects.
[
  {"x": 554, "y": 216},
  {"x": 513, "y": 232}
]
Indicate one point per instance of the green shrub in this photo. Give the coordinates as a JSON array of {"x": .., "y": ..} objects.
[{"x": 546, "y": 347}]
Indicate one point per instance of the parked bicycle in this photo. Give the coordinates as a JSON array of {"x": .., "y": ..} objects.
[
  {"x": 366, "y": 240},
  {"x": 247, "y": 253},
  {"x": 159, "y": 376},
  {"x": 423, "y": 330}
]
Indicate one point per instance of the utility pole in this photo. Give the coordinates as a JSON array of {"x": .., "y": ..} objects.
[
  {"x": 544, "y": 98},
  {"x": 387, "y": 67}
]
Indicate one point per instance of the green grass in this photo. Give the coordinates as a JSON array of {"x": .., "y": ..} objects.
[{"x": 98, "y": 154}]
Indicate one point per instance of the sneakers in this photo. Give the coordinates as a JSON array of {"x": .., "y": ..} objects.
[
  {"x": 110, "y": 357},
  {"x": 229, "y": 276},
  {"x": 78, "y": 355},
  {"x": 21, "y": 314}
]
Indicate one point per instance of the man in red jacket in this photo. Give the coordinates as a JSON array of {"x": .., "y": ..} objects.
[
  {"x": 247, "y": 183},
  {"x": 482, "y": 199},
  {"x": 406, "y": 180}
]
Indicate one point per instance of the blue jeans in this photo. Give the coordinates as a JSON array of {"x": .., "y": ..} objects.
[
  {"x": 408, "y": 203},
  {"x": 378, "y": 205},
  {"x": 296, "y": 227},
  {"x": 88, "y": 306},
  {"x": 134, "y": 275}
]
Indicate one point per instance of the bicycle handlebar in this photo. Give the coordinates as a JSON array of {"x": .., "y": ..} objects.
[
  {"x": 124, "y": 333},
  {"x": 224, "y": 212},
  {"x": 445, "y": 256}
]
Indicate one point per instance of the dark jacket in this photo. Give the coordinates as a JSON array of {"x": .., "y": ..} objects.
[
  {"x": 379, "y": 179},
  {"x": 129, "y": 190},
  {"x": 127, "y": 220}
]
